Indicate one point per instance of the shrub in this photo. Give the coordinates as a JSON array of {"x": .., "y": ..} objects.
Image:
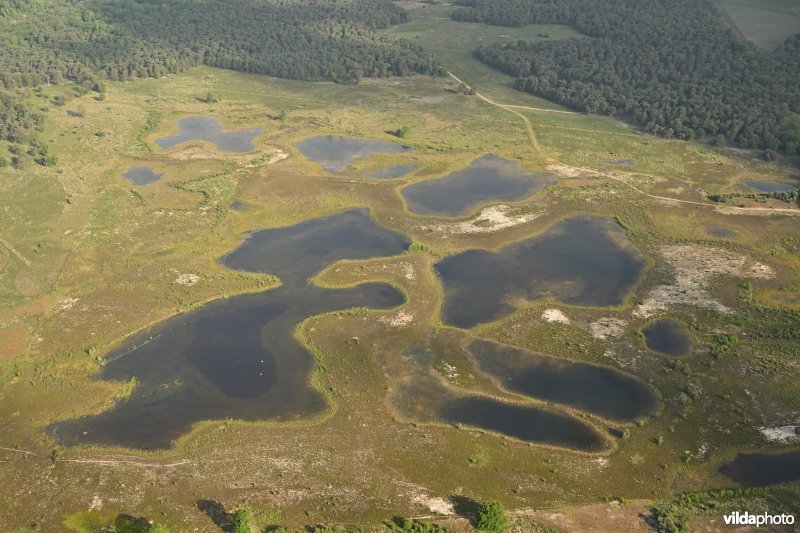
[
  {"x": 491, "y": 517},
  {"x": 242, "y": 520}
]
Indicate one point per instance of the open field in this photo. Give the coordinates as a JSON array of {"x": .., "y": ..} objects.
[
  {"x": 89, "y": 259},
  {"x": 765, "y": 22}
]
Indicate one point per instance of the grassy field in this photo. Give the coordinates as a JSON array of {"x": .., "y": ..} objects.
[
  {"x": 89, "y": 259},
  {"x": 765, "y": 22}
]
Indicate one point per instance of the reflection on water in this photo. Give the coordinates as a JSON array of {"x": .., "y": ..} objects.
[
  {"x": 200, "y": 128},
  {"x": 237, "y": 357},
  {"x": 583, "y": 260},
  {"x": 760, "y": 469},
  {"x": 337, "y": 153},
  {"x": 667, "y": 336},
  {"x": 142, "y": 175},
  {"x": 486, "y": 179}
]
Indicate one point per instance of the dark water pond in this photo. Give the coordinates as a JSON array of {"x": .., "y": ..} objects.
[
  {"x": 760, "y": 469},
  {"x": 486, "y": 179},
  {"x": 583, "y": 260},
  {"x": 200, "y": 128},
  {"x": 667, "y": 336},
  {"x": 237, "y": 357},
  {"x": 337, "y": 153},
  {"x": 767, "y": 186},
  {"x": 595, "y": 389},
  {"x": 142, "y": 175},
  {"x": 524, "y": 422},
  {"x": 720, "y": 232},
  {"x": 394, "y": 171}
]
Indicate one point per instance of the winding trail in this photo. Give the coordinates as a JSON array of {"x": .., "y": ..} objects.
[{"x": 535, "y": 144}]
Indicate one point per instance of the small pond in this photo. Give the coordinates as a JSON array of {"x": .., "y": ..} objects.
[
  {"x": 582, "y": 260},
  {"x": 200, "y": 128},
  {"x": 336, "y": 153},
  {"x": 524, "y": 422},
  {"x": 394, "y": 171},
  {"x": 761, "y": 469},
  {"x": 622, "y": 162},
  {"x": 237, "y": 357},
  {"x": 768, "y": 186},
  {"x": 720, "y": 232},
  {"x": 667, "y": 336},
  {"x": 142, "y": 175},
  {"x": 486, "y": 179},
  {"x": 595, "y": 389}
]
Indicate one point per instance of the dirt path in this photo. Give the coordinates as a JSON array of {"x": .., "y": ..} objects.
[
  {"x": 106, "y": 462},
  {"x": 537, "y": 148},
  {"x": 13, "y": 251}
]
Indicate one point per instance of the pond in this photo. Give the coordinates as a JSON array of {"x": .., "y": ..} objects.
[
  {"x": 667, "y": 336},
  {"x": 486, "y": 179},
  {"x": 237, "y": 357},
  {"x": 761, "y": 469},
  {"x": 768, "y": 186},
  {"x": 336, "y": 153},
  {"x": 720, "y": 232},
  {"x": 200, "y": 128},
  {"x": 142, "y": 175},
  {"x": 582, "y": 260},
  {"x": 592, "y": 388},
  {"x": 394, "y": 171}
]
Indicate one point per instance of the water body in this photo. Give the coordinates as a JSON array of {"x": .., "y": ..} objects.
[
  {"x": 623, "y": 162},
  {"x": 142, "y": 175},
  {"x": 667, "y": 336},
  {"x": 237, "y": 357},
  {"x": 486, "y": 179},
  {"x": 337, "y": 153},
  {"x": 760, "y": 469},
  {"x": 583, "y": 260},
  {"x": 524, "y": 422},
  {"x": 200, "y": 128},
  {"x": 591, "y": 388},
  {"x": 720, "y": 232},
  {"x": 236, "y": 205},
  {"x": 394, "y": 171},
  {"x": 768, "y": 186}
]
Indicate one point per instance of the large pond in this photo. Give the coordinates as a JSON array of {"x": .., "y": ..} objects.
[
  {"x": 667, "y": 336},
  {"x": 595, "y": 389},
  {"x": 200, "y": 128},
  {"x": 486, "y": 179},
  {"x": 769, "y": 186},
  {"x": 142, "y": 175},
  {"x": 583, "y": 260},
  {"x": 237, "y": 357},
  {"x": 336, "y": 153},
  {"x": 761, "y": 469}
]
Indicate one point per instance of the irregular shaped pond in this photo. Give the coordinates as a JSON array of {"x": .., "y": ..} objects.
[
  {"x": 667, "y": 336},
  {"x": 583, "y": 260},
  {"x": 595, "y": 389},
  {"x": 769, "y": 186},
  {"x": 142, "y": 175},
  {"x": 524, "y": 422},
  {"x": 486, "y": 179},
  {"x": 394, "y": 171},
  {"x": 237, "y": 357},
  {"x": 761, "y": 469},
  {"x": 337, "y": 153},
  {"x": 200, "y": 128},
  {"x": 720, "y": 232}
]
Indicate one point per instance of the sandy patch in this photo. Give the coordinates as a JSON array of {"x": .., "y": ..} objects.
[
  {"x": 434, "y": 505},
  {"x": 565, "y": 171},
  {"x": 694, "y": 266},
  {"x": 489, "y": 220},
  {"x": 555, "y": 315},
  {"x": 780, "y": 434},
  {"x": 607, "y": 327},
  {"x": 67, "y": 303},
  {"x": 399, "y": 320},
  {"x": 187, "y": 279}
]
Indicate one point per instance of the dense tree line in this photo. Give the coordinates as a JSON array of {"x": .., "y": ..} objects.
[
  {"x": 17, "y": 122},
  {"x": 77, "y": 40},
  {"x": 668, "y": 65}
]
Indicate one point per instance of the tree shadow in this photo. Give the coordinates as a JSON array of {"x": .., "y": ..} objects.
[
  {"x": 466, "y": 508},
  {"x": 125, "y": 523},
  {"x": 217, "y": 513}
]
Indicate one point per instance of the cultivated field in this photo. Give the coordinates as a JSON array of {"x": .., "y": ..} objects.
[{"x": 765, "y": 22}]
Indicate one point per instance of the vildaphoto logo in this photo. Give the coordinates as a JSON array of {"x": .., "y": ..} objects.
[{"x": 758, "y": 520}]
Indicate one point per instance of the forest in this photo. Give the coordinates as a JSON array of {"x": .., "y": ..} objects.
[
  {"x": 667, "y": 65},
  {"x": 85, "y": 41}
]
